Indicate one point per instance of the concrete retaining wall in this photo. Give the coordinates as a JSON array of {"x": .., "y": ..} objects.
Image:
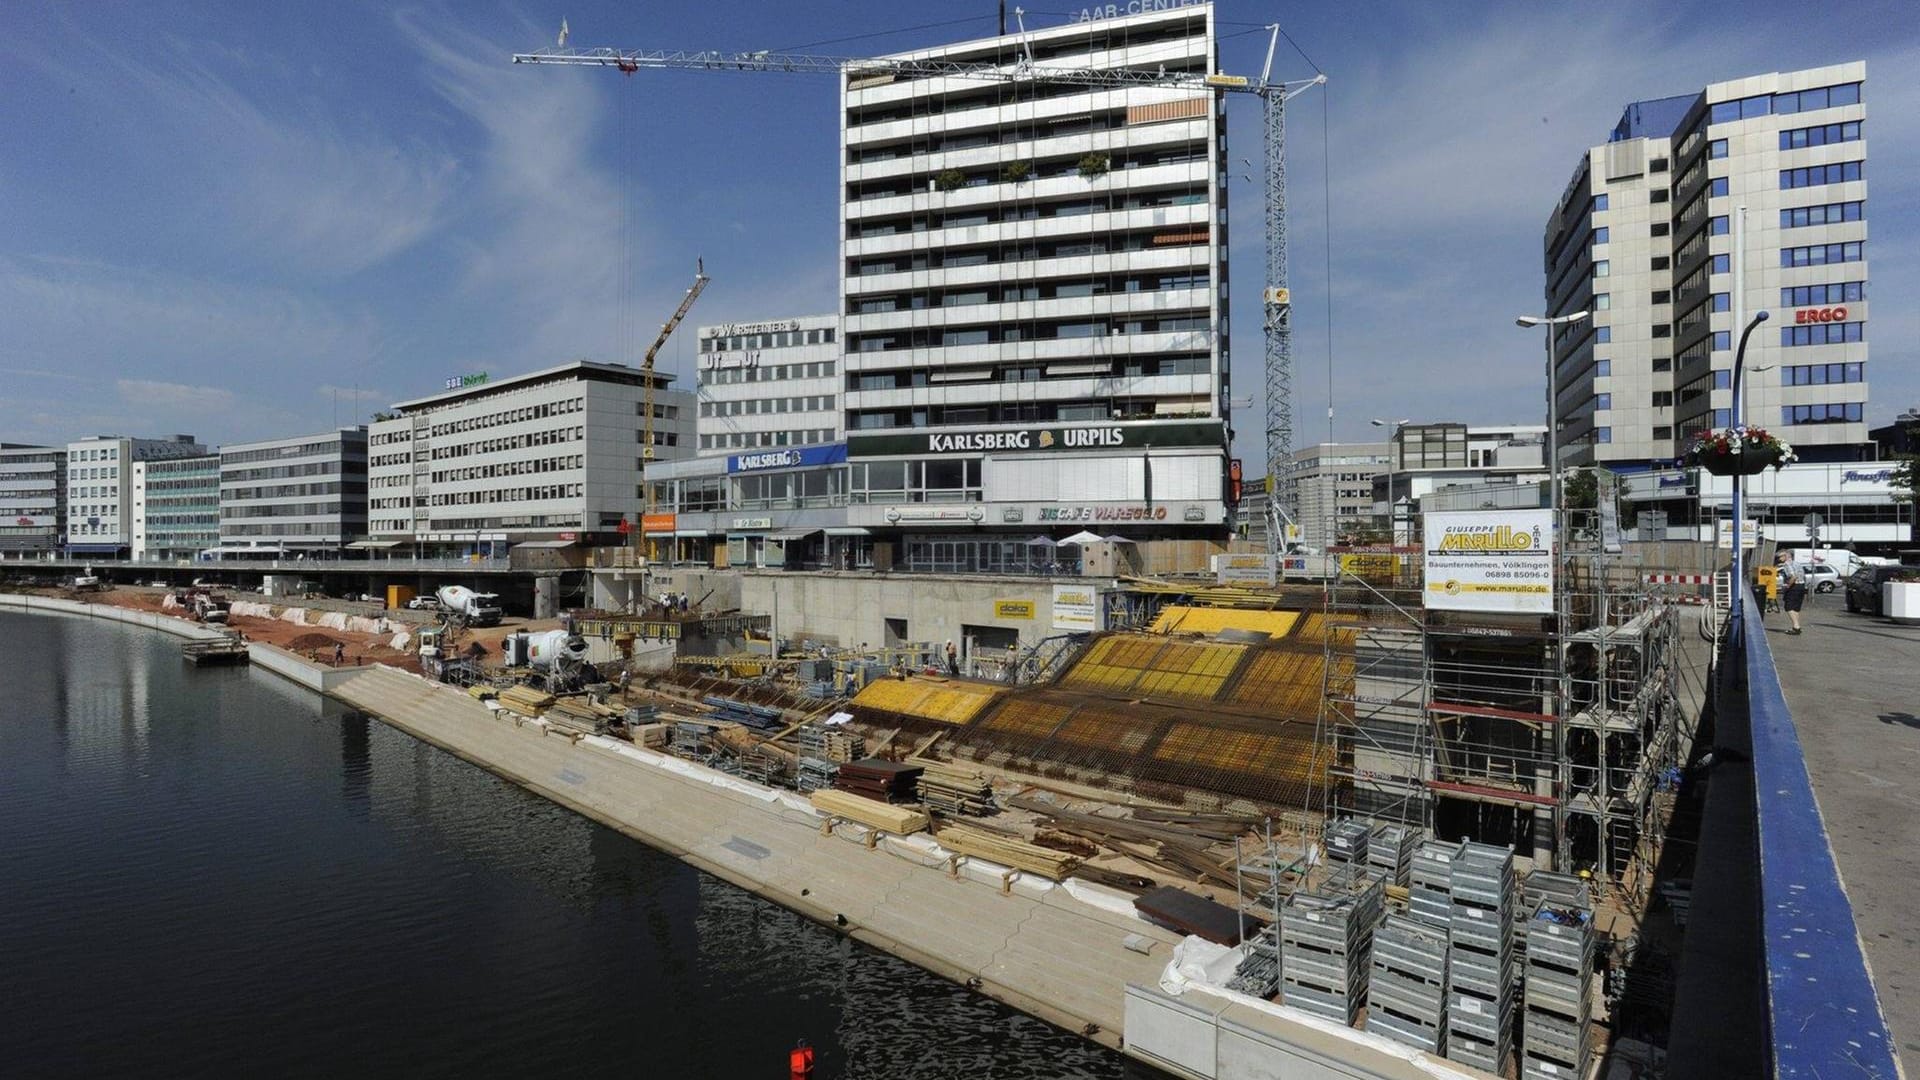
[
  {"x": 848, "y": 609},
  {"x": 289, "y": 666},
  {"x": 166, "y": 624}
]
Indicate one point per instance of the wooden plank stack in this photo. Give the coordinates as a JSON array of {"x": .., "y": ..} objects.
[
  {"x": 581, "y": 715},
  {"x": 883, "y": 781},
  {"x": 525, "y": 700},
  {"x": 900, "y": 820},
  {"x": 832, "y": 743},
  {"x": 1007, "y": 851},
  {"x": 953, "y": 790}
]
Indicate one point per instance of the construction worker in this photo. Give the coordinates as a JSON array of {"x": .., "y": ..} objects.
[{"x": 800, "y": 1061}]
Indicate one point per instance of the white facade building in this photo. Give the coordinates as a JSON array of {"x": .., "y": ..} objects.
[
  {"x": 1327, "y": 484},
  {"x": 1033, "y": 302},
  {"x": 554, "y": 454},
  {"x": 33, "y": 500},
  {"x": 769, "y": 384},
  {"x": 1643, "y": 238},
  {"x": 100, "y": 488},
  {"x": 304, "y": 493}
]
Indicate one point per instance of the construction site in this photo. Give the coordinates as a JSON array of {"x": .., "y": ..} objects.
[{"x": 1465, "y": 833}]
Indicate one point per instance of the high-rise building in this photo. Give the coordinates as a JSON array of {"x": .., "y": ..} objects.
[
  {"x": 176, "y": 507},
  {"x": 769, "y": 384},
  {"x": 1643, "y": 238},
  {"x": 33, "y": 500},
  {"x": 100, "y": 488},
  {"x": 551, "y": 455},
  {"x": 303, "y": 493},
  {"x": 1033, "y": 286}
]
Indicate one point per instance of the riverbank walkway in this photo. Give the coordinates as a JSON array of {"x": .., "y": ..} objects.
[{"x": 1853, "y": 684}]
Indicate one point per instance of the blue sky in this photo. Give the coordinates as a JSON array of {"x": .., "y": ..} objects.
[{"x": 241, "y": 220}]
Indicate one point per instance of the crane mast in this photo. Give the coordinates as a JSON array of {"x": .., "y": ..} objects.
[
  {"x": 1021, "y": 67},
  {"x": 700, "y": 280}
]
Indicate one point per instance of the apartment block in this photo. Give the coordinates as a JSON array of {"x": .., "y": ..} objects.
[
  {"x": 554, "y": 455},
  {"x": 769, "y": 384},
  {"x": 1643, "y": 237},
  {"x": 176, "y": 507},
  {"x": 304, "y": 494},
  {"x": 99, "y": 486},
  {"x": 33, "y": 500},
  {"x": 1328, "y": 484}
]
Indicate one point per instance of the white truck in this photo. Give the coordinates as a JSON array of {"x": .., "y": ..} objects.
[
  {"x": 544, "y": 650},
  {"x": 471, "y": 607}
]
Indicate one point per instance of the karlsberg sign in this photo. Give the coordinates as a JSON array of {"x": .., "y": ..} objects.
[
  {"x": 1088, "y": 437},
  {"x": 794, "y": 458}
]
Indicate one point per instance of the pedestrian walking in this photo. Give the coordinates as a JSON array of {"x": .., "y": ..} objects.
[
  {"x": 339, "y": 654},
  {"x": 1793, "y": 596},
  {"x": 953, "y": 659}
]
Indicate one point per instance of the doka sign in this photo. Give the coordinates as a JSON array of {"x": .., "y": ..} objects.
[{"x": 1490, "y": 560}]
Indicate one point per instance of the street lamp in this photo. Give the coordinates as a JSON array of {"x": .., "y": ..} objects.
[
  {"x": 1553, "y": 401},
  {"x": 1739, "y": 478},
  {"x": 1393, "y": 531}
]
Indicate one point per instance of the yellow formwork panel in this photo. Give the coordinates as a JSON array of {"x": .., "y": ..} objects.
[
  {"x": 1180, "y": 619},
  {"x": 1026, "y": 717},
  {"x": 1153, "y": 666},
  {"x": 1109, "y": 728},
  {"x": 1282, "y": 683},
  {"x": 946, "y": 703}
]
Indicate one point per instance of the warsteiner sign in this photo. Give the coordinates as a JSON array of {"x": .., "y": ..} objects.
[
  {"x": 1039, "y": 440},
  {"x": 1490, "y": 560}
]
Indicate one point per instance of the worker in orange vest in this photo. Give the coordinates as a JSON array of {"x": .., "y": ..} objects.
[{"x": 800, "y": 1061}]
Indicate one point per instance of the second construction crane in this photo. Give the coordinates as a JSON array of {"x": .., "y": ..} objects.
[{"x": 1276, "y": 298}]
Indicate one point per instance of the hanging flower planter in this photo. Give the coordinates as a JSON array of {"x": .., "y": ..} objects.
[{"x": 1738, "y": 451}]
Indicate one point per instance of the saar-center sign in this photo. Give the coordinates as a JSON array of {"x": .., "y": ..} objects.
[{"x": 1490, "y": 560}]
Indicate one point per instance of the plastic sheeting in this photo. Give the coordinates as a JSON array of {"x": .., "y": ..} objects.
[{"x": 400, "y": 641}]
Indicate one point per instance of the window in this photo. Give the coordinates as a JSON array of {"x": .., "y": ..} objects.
[
  {"x": 1836, "y": 413},
  {"x": 1823, "y": 374},
  {"x": 1722, "y": 264},
  {"x": 1658, "y": 164},
  {"x": 1600, "y": 201},
  {"x": 1823, "y": 334},
  {"x": 1602, "y": 368},
  {"x": 1822, "y": 254},
  {"x": 1662, "y": 363},
  {"x": 1826, "y": 214},
  {"x": 1662, "y": 399},
  {"x": 1722, "y": 302},
  {"x": 1820, "y": 135},
  {"x": 1601, "y": 268},
  {"x": 1722, "y": 340},
  {"x": 1718, "y": 226},
  {"x": 1658, "y": 228},
  {"x": 1602, "y": 301},
  {"x": 1602, "y": 401},
  {"x": 1658, "y": 195},
  {"x": 1815, "y": 175},
  {"x": 1602, "y": 335},
  {"x": 1824, "y": 97},
  {"x": 1717, "y": 186},
  {"x": 1600, "y": 235},
  {"x": 1662, "y": 330},
  {"x": 1603, "y": 434},
  {"x": 1662, "y": 296},
  {"x": 1839, "y": 292}
]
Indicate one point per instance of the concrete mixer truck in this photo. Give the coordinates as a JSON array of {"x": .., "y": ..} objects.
[
  {"x": 469, "y": 607},
  {"x": 557, "y": 657}
]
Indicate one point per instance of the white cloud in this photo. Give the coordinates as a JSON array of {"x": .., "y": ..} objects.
[{"x": 174, "y": 397}]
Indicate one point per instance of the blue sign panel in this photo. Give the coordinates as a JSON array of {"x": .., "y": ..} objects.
[{"x": 796, "y": 457}]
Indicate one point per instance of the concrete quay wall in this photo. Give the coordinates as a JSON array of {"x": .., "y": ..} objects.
[{"x": 166, "y": 624}]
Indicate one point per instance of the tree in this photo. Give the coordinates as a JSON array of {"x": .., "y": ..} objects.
[
  {"x": 950, "y": 180},
  {"x": 1906, "y": 479},
  {"x": 1095, "y": 165},
  {"x": 1581, "y": 491},
  {"x": 1014, "y": 172},
  {"x": 1357, "y": 531}
]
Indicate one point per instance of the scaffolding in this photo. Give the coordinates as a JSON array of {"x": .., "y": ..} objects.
[{"x": 1552, "y": 733}]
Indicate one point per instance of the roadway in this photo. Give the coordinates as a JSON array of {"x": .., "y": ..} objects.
[{"x": 1853, "y": 685}]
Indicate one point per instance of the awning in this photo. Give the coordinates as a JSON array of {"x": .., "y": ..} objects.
[
  {"x": 1082, "y": 538},
  {"x": 791, "y": 534},
  {"x": 1117, "y": 539},
  {"x": 850, "y": 530},
  {"x": 1042, "y": 541},
  {"x": 373, "y": 545},
  {"x": 545, "y": 544}
]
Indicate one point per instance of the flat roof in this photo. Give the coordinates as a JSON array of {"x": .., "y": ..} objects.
[{"x": 590, "y": 370}]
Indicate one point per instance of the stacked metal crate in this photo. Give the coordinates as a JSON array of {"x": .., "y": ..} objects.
[
  {"x": 1430, "y": 882},
  {"x": 1480, "y": 961},
  {"x": 1407, "y": 988},
  {"x": 815, "y": 774},
  {"x": 1346, "y": 842},
  {"x": 1559, "y": 997},
  {"x": 1325, "y": 936},
  {"x": 1390, "y": 853},
  {"x": 1538, "y": 887},
  {"x": 1258, "y": 973}
]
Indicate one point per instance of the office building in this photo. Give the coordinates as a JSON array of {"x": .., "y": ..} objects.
[
  {"x": 176, "y": 507},
  {"x": 552, "y": 455},
  {"x": 100, "y": 488},
  {"x": 1426, "y": 459},
  {"x": 33, "y": 500},
  {"x": 305, "y": 494},
  {"x": 1033, "y": 302},
  {"x": 769, "y": 384},
  {"x": 1325, "y": 485},
  {"x": 1643, "y": 238}
]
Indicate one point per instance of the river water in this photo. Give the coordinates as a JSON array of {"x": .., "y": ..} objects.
[{"x": 216, "y": 873}]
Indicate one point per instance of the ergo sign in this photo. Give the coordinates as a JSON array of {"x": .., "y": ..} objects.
[{"x": 1820, "y": 315}]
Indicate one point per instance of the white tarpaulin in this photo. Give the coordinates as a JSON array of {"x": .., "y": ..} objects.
[{"x": 1490, "y": 560}]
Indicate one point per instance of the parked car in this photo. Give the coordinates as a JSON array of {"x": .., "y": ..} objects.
[
  {"x": 1863, "y": 587},
  {"x": 423, "y": 603},
  {"x": 1822, "y": 577}
]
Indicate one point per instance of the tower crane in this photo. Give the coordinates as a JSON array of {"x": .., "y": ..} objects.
[
  {"x": 700, "y": 280},
  {"x": 1276, "y": 300}
]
